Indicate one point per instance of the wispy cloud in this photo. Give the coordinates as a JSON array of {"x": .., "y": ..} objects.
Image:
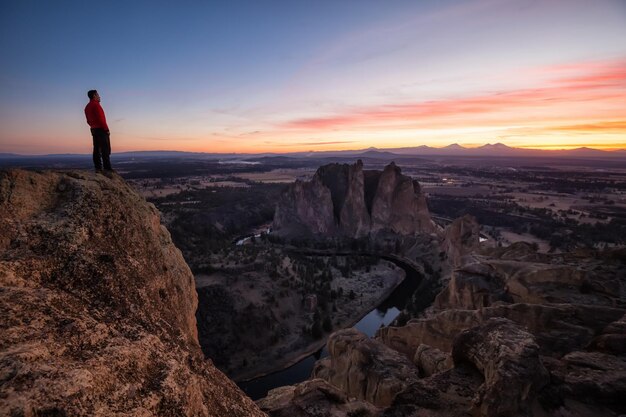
[
  {"x": 614, "y": 127},
  {"x": 591, "y": 86},
  {"x": 323, "y": 143}
]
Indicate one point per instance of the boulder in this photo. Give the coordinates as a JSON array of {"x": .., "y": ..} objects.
[
  {"x": 508, "y": 358},
  {"x": 430, "y": 360},
  {"x": 497, "y": 372},
  {"x": 365, "y": 368},
  {"x": 314, "y": 398},
  {"x": 591, "y": 377},
  {"x": 472, "y": 286},
  {"x": 446, "y": 394}
]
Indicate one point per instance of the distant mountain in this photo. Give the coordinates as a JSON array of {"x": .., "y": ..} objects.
[
  {"x": 496, "y": 147},
  {"x": 500, "y": 149},
  {"x": 487, "y": 150},
  {"x": 377, "y": 154},
  {"x": 590, "y": 152},
  {"x": 454, "y": 146}
]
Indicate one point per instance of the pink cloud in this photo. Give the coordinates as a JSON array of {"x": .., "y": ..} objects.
[{"x": 593, "y": 83}]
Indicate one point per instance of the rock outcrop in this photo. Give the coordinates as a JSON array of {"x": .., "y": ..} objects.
[
  {"x": 314, "y": 398},
  {"x": 461, "y": 238},
  {"x": 305, "y": 208},
  {"x": 556, "y": 323},
  {"x": 346, "y": 201},
  {"x": 399, "y": 204},
  {"x": 508, "y": 358},
  {"x": 97, "y": 306},
  {"x": 365, "y": 368},
  {"x": 430, "y": 360},
  {"x": 558, "y": 328}
]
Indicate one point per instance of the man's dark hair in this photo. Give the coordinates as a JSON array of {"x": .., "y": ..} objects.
[{"x": 91, "y": 93}]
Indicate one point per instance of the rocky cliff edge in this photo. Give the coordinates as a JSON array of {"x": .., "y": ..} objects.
[{"x": 97, "y": 306}]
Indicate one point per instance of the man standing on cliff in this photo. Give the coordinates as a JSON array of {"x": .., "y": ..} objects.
[{"x": 99, "y": 131}]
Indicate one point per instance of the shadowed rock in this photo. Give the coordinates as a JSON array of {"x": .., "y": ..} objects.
[
  {"x": 461, "y": 237},
  {"x": 365, "y": 368},
  {"x": 430, "y": 360},
  {"x": 447, "y": 394},
  {"x": 344, "y": 200},
  {"x": 558, "y": 329},
  {"x": 399, "y": 204},
  {"x": 305, "y": 208},
  {"x": 591, "y": 377},
  {"x": 314, "y": 398}
]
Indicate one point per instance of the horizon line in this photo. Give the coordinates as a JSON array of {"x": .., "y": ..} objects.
[{"x": 542, "y": 148}]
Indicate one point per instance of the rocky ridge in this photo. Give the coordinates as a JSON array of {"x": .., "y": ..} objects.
[
  {"x": 512, "y": 333},
  {"x": 344, "y": 200},
  {"x": 97, "y": 306}
]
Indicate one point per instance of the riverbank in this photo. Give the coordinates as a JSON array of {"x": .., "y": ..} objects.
[
  {"x": 264, "y": 310},
  {"x": 383, "y": 315}
]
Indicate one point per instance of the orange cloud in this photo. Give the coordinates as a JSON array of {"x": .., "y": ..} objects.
[{"x": 613, "y": 127}]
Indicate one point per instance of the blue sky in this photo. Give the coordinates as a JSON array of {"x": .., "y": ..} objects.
[{"x": 249, "y": 75}]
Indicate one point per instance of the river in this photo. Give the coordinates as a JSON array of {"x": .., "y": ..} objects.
[{"x": 384, "y": 314}]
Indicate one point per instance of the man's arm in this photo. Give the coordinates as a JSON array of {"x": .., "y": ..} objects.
[{"x": 102, "y": 118}]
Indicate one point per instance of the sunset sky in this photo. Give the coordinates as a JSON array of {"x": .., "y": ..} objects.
[{"x": 284, "y": 76}]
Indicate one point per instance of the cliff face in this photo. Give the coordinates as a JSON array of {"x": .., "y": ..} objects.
[
  {"x": 344, "y": 200},
  {"x": 306, "y": 207},
  {"x": 97, "y": 306},
  {"x": 399, "y": 204}
]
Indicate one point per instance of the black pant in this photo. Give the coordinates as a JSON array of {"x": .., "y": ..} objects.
[{"x": 101, "y": 149}]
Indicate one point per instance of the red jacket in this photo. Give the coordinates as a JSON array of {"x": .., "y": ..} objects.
[{"x": 95, "y": 116}]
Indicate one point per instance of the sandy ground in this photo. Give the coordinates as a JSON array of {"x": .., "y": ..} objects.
[{"x": 279, "y": 175}]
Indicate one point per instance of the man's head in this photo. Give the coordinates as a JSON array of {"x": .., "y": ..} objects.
[{"x": 93, "y": 95}]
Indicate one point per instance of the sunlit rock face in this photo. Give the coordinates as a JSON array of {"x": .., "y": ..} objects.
[
  {"x": 98, "y": 306},
  {"x": 346, "y": 201}
]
